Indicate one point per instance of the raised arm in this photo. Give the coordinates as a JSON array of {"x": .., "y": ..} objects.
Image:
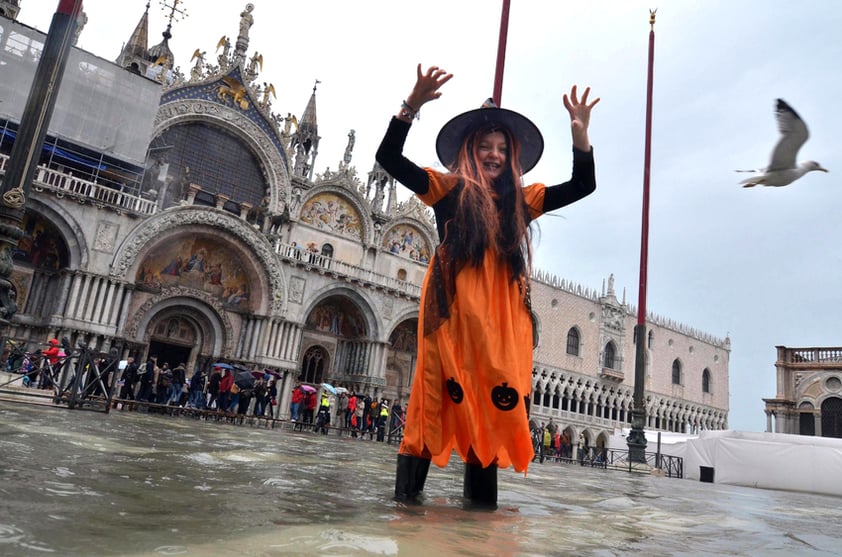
[
  {"x": 426, "y": 89},
  {"x": 390, "y": 153},
  {"x": 580, "y": 117},
  {"x": 583, "y": 180}
]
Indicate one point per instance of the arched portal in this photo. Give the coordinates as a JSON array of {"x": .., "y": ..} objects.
[
  {"x": 832, "y": 417},
  {"x": 806, "y": 419},
  {"x": 39, "y": 256},
  {"x": 400, "y": 361},
  {"x": 181, "y": 329}
]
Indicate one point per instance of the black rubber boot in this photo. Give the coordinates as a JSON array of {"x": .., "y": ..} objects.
[
  {"x": 410, "y": 477},
  {"x": 481, "y": 485}
]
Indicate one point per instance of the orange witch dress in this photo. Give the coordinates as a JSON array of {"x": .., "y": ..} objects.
[{"x": 473, "y": 374}]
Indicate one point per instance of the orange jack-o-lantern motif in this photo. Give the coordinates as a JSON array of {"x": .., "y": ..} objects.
[
  {"x": 454, "y": 389},
  {"x": 504, "y": 397}
]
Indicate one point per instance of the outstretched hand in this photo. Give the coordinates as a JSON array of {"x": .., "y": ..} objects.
[
  {"x": 580, "y": 117},
  {"x": 427, "y": 86}
]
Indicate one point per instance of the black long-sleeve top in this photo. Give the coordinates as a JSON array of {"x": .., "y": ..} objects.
[{"x": 391, "y": 158}]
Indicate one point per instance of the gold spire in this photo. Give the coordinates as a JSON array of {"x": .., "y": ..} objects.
[{"x": 652, "y": 18}]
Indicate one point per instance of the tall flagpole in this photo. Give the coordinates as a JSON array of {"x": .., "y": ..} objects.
[
  {"x": 637, "y": 438},
  {"x": 501, "y": 54}
]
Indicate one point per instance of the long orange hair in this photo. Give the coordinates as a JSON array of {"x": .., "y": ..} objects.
[{"x": 491, "y": 215}]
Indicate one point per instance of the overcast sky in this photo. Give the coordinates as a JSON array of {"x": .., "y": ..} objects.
[{"x": 759, "y": 265}]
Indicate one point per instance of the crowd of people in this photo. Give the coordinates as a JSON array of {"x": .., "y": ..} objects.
[
  {"x": 218, "y": 390},
  {"x": 357, "y": 412},
  {"x": 223, "y": 390},
  {"x": 39, "y": 368},
  {"x": 551, "y": 443}
]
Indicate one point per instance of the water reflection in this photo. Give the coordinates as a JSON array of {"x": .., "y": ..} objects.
[{"x": 130, "y": 483}]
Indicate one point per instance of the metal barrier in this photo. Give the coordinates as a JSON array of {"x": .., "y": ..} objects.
[
  {"x": 618, "y": 459},
  {"x": 86, "y": 379}
]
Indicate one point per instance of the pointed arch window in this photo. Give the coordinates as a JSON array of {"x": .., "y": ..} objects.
[
  {"x": 573, "y": 341},
  {"x": 608, "y": 357},
  {"x": 327, "y": 250},
  {"x": 706, "y": 380},
  {"x": 313, "y": 366},
  {"x": 676, "y": 372}
]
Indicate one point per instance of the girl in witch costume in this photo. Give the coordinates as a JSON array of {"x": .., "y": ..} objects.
[{"x": 474, "y": 367}]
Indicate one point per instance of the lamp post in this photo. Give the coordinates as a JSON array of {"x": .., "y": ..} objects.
[
  {"x": 637, "y": 438},
  {"x": 27, "y": 147}
]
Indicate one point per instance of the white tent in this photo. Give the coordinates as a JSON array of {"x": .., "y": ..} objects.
[
  {"x": 766, "y": 460},
  {"x": 671, "y": 444}
]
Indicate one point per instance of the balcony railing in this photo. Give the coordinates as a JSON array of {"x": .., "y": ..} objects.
[
  {"x": 815, "y": 355},
  {"x": 328, "y": 265},
  {"x": 612, "y": 374},
  {"x": 84, "y": 191}
]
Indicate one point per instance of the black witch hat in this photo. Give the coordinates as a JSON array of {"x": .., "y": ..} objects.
[{"x": 454, "y": 132}]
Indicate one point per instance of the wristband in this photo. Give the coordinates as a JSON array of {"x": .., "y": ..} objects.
[{"x": 408, "y": 112}]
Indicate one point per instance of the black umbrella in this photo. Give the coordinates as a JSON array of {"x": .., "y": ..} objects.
[{"x": 244, "y": 380}]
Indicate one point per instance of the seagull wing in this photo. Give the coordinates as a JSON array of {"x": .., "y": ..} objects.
[{"x": 793, "y": 135}]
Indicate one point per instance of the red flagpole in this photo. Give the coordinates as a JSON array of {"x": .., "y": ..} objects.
[
  {"x": 501, "y": 54},
  {"x": 636, "y": 439},
  {"x": 647, "y": 155}
]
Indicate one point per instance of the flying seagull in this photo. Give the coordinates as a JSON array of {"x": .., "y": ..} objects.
[{"x": 783, "y": 169}]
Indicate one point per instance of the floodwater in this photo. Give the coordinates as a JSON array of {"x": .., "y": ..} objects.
[{"x": 76, "y": 482}]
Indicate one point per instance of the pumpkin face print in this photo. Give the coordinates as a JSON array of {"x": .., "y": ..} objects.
[
  {"x": 454, "y": 389},
  {"x": 504, "y": 397}
]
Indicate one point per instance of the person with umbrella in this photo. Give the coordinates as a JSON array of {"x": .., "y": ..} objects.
[
  {"x": 350, "y": 411},
  {"x": 214, "y": 384},
  {"x": 261, "y": 392},
  {"x": 475, "y": 332},
  {"x": 273, "y": 397},
  {"x": 196, "y": 389},
  {"x": 295, "y": 403},
  {"x": 241, "y": 391},
  {"x": 225, "y": 383},
  {"x": 309, "y": 403}
]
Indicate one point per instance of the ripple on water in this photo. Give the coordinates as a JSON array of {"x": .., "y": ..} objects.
[
  {"x": 63, "y": 472},
  {"x": 279, "y": 482},
  {"x": 10, "y": 534},
  {"x": 62, "y": 489},
  {"x": 204, "y": 458},
  {"x": 171, "y": 550},
  {"x": 338, "y": 542}
]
